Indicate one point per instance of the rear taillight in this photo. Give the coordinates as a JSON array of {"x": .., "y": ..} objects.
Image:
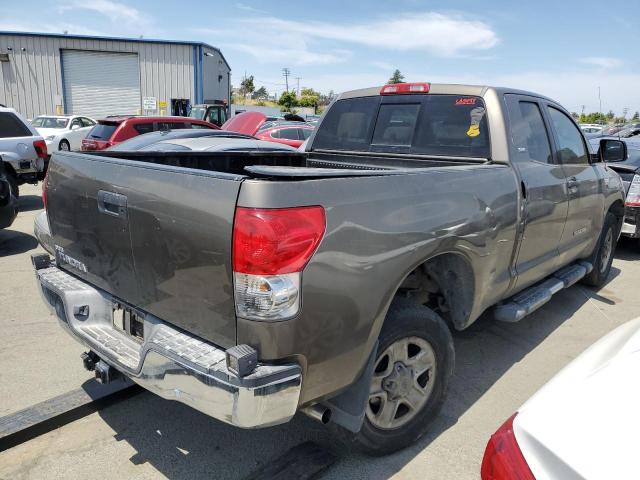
[
  {"x": 45, "y": 184},
  {"x": 270, "y": 249},
  {"x": 633, "y": 197},
  {"x": 41, "y": 148},
  {"x": 503, "y": 459},
  {"x": 404, "y": 88}
]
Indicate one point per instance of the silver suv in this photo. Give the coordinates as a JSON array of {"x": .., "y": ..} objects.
[{"x": 23, "y": 151}]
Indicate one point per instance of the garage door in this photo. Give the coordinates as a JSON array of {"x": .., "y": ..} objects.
[{"x": 98, "y": 84}]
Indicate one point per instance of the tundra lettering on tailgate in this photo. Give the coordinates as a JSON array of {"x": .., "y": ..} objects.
[{"x": 64, "y": 258}]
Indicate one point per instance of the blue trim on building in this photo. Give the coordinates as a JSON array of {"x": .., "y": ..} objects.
[
  {"x": 201, "y": 73},
  {"x": 64, "y": 97},
  {"x": 116, "y": 39},
  {"x": 195, "y": 75}
]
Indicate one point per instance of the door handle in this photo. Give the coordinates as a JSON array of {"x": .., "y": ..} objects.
[
  {"x": 113, "y": 204},
  {"x": 572, "y": 184}
]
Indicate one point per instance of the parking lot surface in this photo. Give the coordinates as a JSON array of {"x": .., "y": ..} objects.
[{"x": 498, "y": 367}]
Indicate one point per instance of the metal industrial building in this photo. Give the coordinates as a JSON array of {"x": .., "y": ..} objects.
[{"x": 99, "y": 76}]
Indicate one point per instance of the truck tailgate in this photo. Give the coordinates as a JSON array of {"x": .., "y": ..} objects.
[{"x": 156, "y": 237}]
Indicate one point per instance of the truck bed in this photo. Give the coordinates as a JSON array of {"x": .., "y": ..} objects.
[{"x": 154, "y": 229}]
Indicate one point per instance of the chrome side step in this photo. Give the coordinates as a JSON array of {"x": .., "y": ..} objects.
[{"x": 532, "y": 298}]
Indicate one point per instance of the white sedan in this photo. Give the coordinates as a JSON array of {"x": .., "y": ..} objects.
[
  {"x": 583, "y": 424},
  {"x": 63, "y": 132}
]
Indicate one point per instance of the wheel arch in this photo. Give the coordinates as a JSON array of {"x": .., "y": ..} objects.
[
  {"x": 444, "y": 282},
  {"x": 617, "y": 209}
]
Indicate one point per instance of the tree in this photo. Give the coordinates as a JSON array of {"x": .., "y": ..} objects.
[
  {"x": 636, "y": 116},
  {"x": 260, "y": 94},
  {"x": 610, "y": 115},
  {"x": 247, "y": 86},
  {"x": 288, "y": 100},
  {"x": 595, "y": 117},
  {"x": 397, "y": 77},
  {"x": 309, "y": 98},
  {"x": 575, "y": 116}
]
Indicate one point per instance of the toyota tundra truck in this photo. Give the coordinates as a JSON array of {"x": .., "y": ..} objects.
[{"x": 254, "y": 285}]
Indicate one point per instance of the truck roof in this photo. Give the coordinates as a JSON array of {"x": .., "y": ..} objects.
[{"x": 445, "y": 88}]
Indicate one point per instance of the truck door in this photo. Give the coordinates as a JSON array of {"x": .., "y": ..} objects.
[
  {"x": 544, "y": 202},
  {"x": 586, "y": 202}
]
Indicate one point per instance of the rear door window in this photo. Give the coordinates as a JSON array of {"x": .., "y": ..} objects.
[
  {"x": 289, "y": 133},
  {"x": 529, "y": 136},
  {"x": 102, "y": 131},
  {"x": 306, "y": 133},
  {"x": 433, "y": 125},
  {"x": 11, "y": 126},
  {"x": 143, "y": 128}
]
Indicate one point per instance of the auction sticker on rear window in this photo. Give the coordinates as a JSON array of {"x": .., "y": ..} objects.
[{"x": 466, "y": 101}]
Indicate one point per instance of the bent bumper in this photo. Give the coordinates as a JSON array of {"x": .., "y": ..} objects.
[{"x": 170, "y": 362}]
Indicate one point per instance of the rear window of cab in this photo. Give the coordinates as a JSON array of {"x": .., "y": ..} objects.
[
  {"x": 432, "y": 124},
  {"x": 102, "y": 131}
]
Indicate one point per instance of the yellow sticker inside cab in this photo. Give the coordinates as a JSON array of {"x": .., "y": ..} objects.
[
  {"x": 474, "y": 131},
  {"x": 476, "y": 117}
]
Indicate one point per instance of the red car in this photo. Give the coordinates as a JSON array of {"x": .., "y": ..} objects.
[
  {"x": 254, "y": 123},
  {"x": 112, "y": 130},
  {"x": 289, "y": 133}
]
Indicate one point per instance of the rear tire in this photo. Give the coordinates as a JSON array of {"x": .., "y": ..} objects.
[
  {"x": 602, "y": 258},
  {"x": 414, "y": 363}
]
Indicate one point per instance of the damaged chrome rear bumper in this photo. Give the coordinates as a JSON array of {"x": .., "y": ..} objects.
[{"x": 170, "y": 362}]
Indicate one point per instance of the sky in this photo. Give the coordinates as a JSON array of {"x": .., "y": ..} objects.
[{"x": 564, "y": 49}]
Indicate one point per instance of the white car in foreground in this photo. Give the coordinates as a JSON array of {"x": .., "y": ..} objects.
[
  {"x": 63, "y": 132},
  {"x": 583, "y": 424}
]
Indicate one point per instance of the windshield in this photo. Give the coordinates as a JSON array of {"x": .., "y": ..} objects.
[
  {"x": 438, "y": 125},
  {"x": 198, "y": 112},
  {"x": 50, "y": 122}
]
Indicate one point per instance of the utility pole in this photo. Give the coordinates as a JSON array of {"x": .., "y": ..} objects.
[
  {"x": 599, "y": 100},
  {"x": 298, "y": 89},
  {"x": 582, "y": 109},
  {"x": 286, "y": 72}
]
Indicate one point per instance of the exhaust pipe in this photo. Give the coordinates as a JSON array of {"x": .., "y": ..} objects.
[{"x": 318, "y": 412}]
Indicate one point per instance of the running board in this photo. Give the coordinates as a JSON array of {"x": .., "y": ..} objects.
[{"x": 532, "y": 298}]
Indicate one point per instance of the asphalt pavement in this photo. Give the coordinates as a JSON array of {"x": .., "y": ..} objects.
[{"x": 498, "y": 367}]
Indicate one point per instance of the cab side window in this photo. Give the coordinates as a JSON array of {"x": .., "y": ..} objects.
[
  {"x": 528, "y": 132},
  {"x": 213, "y": 116},
  {"x": 571, "y": 148}
]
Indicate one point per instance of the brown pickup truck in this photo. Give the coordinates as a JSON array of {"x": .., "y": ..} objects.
[{"x": 252, "y": 285}]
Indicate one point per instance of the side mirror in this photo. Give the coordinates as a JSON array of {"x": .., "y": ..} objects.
[
  {"x": 612, "y": 151},
  {"x": 75, "y": 126}
]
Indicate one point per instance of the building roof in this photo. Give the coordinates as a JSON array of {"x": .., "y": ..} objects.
[{"x": 117, "y": 39}]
